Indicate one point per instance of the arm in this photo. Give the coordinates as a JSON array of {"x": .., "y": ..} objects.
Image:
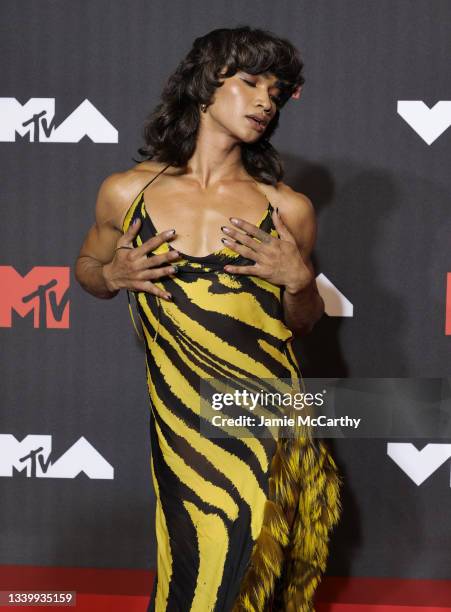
[
  {"x": 283, "y": 261},
  {"x": 100, "y": 242},
  {"x": 101, "y": 269},
  {"x": 302, "y": 304},
  {"x": 303, "y": 309}
]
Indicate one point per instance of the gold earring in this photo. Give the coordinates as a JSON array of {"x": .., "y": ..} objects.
[{"x": 203, "y": 108}]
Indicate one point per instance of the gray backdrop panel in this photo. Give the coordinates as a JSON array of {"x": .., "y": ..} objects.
[{"x": 382, "y": 200}]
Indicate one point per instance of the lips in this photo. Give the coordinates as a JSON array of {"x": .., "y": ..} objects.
[{"x": 257, "y": 122}]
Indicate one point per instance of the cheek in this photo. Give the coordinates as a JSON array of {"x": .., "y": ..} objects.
[
  {"x": 234, "y": 100},
  {"x": 230, "y": 106}
]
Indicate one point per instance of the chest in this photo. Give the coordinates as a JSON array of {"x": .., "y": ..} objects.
[{"x": 197, "y": 220}]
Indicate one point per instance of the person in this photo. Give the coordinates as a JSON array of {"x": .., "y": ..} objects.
[{"x": 215, "y": 249}]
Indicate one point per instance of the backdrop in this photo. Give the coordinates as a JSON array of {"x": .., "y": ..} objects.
[{"x": 369, "y": 142}]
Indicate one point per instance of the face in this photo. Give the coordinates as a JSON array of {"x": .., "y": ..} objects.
[{"x": 241, "y": 96}]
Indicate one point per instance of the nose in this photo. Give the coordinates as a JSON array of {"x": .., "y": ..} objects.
[
  {"x": 264, "y": 101},
  {"x": 266, "y": 105}
]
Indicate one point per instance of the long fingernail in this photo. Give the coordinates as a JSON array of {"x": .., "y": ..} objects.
[{"x": 172, "y": 231}]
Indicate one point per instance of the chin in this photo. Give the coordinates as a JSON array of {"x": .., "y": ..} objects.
[{"x": 251, "y": 138}]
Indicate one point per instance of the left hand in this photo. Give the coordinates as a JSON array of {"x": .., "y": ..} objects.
[{"x": 277, "y": 260}]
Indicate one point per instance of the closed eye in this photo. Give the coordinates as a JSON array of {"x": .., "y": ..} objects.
[{"x": 276, "y": 99}]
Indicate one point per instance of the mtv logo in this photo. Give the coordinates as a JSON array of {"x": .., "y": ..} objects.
[
  {"x": 419, "y": 465},
  {"x": 43, "y": 291},
  {"x": 36, "y": 119},
  {"x": 33, "y": 456},
  {"x": 428, "y": 123}
]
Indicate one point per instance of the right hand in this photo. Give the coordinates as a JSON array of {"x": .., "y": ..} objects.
[{"x": 132, "y": 269}]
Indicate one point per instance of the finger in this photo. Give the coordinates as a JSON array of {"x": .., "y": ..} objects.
[
  {"x": 149, "y": 287},
  {"x": 252, "y": 243},
  {"x": 133, "y": 229},
  {"x": 155, "y": 273},
  {"x": 241, "y": 249},
  {"x": 251, "y": 229},
  {"x": 281, "y": 228},
  {"x": 154, "y": 242},
  {"x": 158, "y": 260},
  {"x": 126, "y": 240},
  {"x": 251, "y": 270}
]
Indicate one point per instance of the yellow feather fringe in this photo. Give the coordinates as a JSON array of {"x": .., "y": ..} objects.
[{"x": 304, "y": 477}]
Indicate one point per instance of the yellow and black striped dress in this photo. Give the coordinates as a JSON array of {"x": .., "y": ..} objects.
[{"x": 224, "y": 542}]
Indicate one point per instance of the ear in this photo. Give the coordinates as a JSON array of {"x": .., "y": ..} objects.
[{"x": 297, "y": 92}]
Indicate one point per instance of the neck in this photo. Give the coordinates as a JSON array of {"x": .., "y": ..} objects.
[{"x": 217, "y": 158}]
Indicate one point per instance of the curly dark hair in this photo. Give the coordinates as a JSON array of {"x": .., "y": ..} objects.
[{"x": 170, "y": 131}]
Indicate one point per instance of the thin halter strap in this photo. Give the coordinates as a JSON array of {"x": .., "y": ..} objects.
[{"x": 155, "y": 177}]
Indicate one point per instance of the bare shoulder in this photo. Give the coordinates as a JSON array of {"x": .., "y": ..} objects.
[
  {"x": 119, "y": 189},
  {"x": 298, "y": 213},
  {"x": 293, "y": 203}
]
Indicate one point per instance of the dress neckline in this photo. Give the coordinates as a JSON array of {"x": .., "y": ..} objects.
[
  {"x": 219, "y": 251},
  {"x": 185, "y": 256}
]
